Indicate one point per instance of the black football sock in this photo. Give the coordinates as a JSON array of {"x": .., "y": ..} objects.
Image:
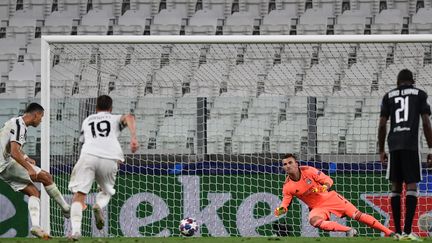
[
  {"x": 396, "y": 210},
  {"x": 410, "y": 205}
]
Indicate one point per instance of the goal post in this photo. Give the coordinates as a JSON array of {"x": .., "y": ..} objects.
[{"x": 215, "y": 115}]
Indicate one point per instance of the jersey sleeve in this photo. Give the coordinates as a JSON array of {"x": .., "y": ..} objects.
[
  {"x": 82, "y": 136},
  {"x": 287, "y": 197},
  {"x": 385, "y": 108},
  {"x": 18, "y": 133},
  {"x": 424, "y": 106},
  {"x": 320, "y": 177}
]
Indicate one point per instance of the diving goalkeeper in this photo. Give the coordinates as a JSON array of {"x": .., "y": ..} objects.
[{"x": 312, "y": 187}]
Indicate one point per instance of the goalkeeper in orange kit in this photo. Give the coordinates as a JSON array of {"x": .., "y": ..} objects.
[{"x": 312, "y": 187}]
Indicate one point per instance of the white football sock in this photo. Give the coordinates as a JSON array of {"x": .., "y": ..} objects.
[
  {"x": 76, "y": 217},
  {"x": 34, "y": 210},
  {"x": 54, "y": 193},
  {"x": 102, "y": 199}
]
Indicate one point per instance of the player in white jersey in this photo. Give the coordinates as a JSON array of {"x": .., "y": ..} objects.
[
  {"x": 20, "y": 171},
  {"x": 100, "y": 154}
]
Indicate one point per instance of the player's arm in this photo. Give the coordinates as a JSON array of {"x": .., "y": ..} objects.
[
  {"x": 22, "y": 159},
  {"x": 427, "y": 129},
  {"x": 129, "y": 121},
  {"x": 286, "y": 201},
  {"x": 322, "y": 179},
  {"x": 382, "y": 129}
]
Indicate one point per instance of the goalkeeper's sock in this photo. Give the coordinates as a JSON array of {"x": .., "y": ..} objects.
[
  {"x": 331, "y": 226},
  {"x": 396, "y": 210},
  {"x": 76, "y": 217},
  {"x": 34, "y": 210},
  {"x": 54, "y": 193},
  {"x": 102, "y": 199},
  {"x": 411, "y": 205},
  {"x": 374, "y": 223}
]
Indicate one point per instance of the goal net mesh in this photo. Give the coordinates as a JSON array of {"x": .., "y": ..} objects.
[{"x": 214, "y": 121}]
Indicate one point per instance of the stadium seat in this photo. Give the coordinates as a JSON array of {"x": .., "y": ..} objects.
[
  {"x": 369, "y": 7},
  {"x": 21, "y": 83},
  {"x": 58, "y": 23},
  {"x": 294, "y": 7},
  {"x": 208, "y": 78},
  {"x": 257, "y": 8},
  {"x": 313, "y": 22},
  {"x": 203, "y": 22},
  {"x": 174, "y": 135},
  {"x": 166, "y": 22},
  {"x": 169, "y": 79},
  {"x": 185, "y": 7},
  {"x": 222, "y": 8},
  {"x": 39, "y": 8},
  {"x": 132, "y": 22},
  {"x": 389, "y": 21},
  {"x": 8, "y": 54},
  {"x": 277, "y": 22},
  {"x": 218, "y": 129},
  {"x": 33, "y": 55},
  {"x": 239, "y": 23},
  {"x": 95, "y": 22},
  {"x": 245, "y": 76},
  {"x": 148, "y": 8},
  {"x": 22, "y": 27},
  {"x": 330, "y": 130},
  {"x": 7, "y": 8},
  {"x": 358, "y": 78},
  {"x": 351, "y": 22},
  {"x": 76, "y": 8},
  {"x": 421, "y": 22},
  {"x": 287, "y": 136},
  {"x": 281, "y": 79},
  {"x": 249, "y": 136},
  {"x": 111, "y": 7},
  {"x": 226, "y": 53},
  {"x": 362, "y": 136}
]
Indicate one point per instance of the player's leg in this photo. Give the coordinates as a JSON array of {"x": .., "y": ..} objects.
[
  {"x": 394, "y": 174},
  {"x": 371, "y": 222},
  {"x": 105, "y": 177},
  {"x": 17, "y": 177},
  {"x": 51, "y": 188},
  {"x": 318, "y": 218},
  {"x": 82, "y": 178},
  {"x": 411, "y": 175},
  {"x": 78, "y": 206}
]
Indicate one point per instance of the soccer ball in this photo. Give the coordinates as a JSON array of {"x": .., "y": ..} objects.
[
  {"x": 425, "y": 222},
  {"x": 188, "y": 226}
]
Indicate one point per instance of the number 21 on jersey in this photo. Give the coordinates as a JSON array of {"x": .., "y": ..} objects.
[{"x": 401, "y": 114}]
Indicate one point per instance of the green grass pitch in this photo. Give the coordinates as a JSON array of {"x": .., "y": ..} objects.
[{"x": 209, "y": 240}]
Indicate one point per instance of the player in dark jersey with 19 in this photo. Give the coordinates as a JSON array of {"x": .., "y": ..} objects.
[{"x": 404, "y": 105}]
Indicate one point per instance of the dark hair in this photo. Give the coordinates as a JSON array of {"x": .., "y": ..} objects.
[
  {"x": 289, "y": 155},
  {"x": 405, "y": 75},
  {"x": 103, "y": 103},
  {"x": 32, "y": 107}
]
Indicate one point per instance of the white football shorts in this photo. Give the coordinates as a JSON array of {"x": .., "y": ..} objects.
[
  {"x": 90, "y": 168},
  {"x": 16, "y": 176}
]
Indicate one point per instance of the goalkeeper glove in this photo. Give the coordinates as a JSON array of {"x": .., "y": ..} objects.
[
  {"x": 322, "y": 188},
  {"x": 279, "y": 211}
]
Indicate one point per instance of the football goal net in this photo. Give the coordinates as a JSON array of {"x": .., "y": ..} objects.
[{"x": 216, "y": 114}]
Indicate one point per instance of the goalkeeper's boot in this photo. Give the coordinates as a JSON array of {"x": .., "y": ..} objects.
[
  {"x": 100, "y": 221},
  {"x": 410, "y": 237},
  {"x": 66, "y": 212},
  {"x": 351, "y": 232},
  {"x": 75, "y": 237},
  {"x": 39, "y": 233}
]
